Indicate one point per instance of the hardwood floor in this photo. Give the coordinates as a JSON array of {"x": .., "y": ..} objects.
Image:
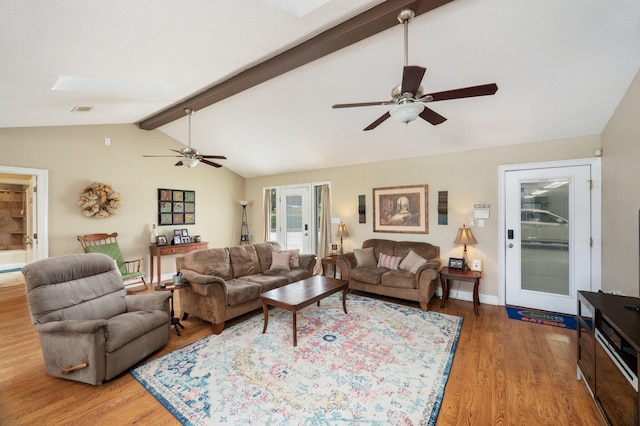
[{"x": 505, "y": 372}]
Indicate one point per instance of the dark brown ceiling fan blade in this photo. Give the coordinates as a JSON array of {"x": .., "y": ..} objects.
[
  {"x": 361, "y": 104},
  {"x": 210, "y": 163},
  {"x": 179, "y": 163},
  {"x": 466, "y": 92},
  {"x": 411, "y": 78},
  {"x": 432, "y": 117},
  {"x": 376, "y": 123},
  {"x": 217, "y": 157}
]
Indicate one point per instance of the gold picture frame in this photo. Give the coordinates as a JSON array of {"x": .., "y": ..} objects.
[{"x": 401, "y": 209}]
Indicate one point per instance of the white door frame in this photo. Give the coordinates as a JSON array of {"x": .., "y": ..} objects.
[
  {"x": 596, "y": 249},
  {"x": 42, "y": 176}
]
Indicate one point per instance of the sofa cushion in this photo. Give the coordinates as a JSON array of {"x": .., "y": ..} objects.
[
  {"x": 365, "y": 258},
  {"x": 368, "y": 275},
  {"x": 214, "y": 262},
  {"x": 412, "y": 262},
  {"x": 295, "y": 274},
  {"x": 280, "y": 261},
  {"x": 244, "y": 260},
  {"x": 267, "y": 281},
  {"x": 388, "y": 261},
  {"x": 239, "y": 291},
  {"x": 381, "y": 246},
  {"x": 424, "y": 250},
  {"x": 264, "y": 251},
  {"x": 398, "y": 279}
]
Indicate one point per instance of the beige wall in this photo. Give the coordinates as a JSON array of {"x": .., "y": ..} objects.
[
  {"x": 76, "y": 156},
  {"x": 621, "y": 195},
  {"x": 469, "y": 177}
]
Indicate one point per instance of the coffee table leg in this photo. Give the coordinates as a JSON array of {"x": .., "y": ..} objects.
[
  {"x": 295, "y": 329},
  {"x": 266, "y": 317},
  {"x": 344, "y": 299}
]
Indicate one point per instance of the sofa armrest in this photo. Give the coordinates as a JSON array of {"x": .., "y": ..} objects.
[
  {"x": 148, "y": 302},
  {"x": 308, "y": 262},
  {"x": 345, "y": 263},
  {"x": 193, "y": 277}
]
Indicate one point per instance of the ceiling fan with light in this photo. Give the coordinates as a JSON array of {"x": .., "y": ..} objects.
[
  {"x": 191, "y": 157},
  {"x": 409, "y": 99}
]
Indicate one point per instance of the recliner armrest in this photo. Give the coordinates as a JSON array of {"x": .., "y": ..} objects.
[
  {"x": 72, "y": 326},
  {"x": 148, "y": 302}
]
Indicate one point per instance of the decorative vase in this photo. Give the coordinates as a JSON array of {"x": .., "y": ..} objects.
[{"x": 153, "y": 234}]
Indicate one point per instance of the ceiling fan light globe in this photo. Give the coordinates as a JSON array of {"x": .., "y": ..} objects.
[
  {"x": 407, "y": 112},
  {"x": 190, "y": 162}
]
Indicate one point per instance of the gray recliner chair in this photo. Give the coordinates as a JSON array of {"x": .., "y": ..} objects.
[{"x": 90, "y": 329}]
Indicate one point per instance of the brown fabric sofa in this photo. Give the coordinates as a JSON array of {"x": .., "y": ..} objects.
[
  {"x": 419, "y": 286},
  {"x": 224, "y": 283}
]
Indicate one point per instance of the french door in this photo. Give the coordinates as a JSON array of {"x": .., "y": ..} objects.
[
  {"x": 294, "y": 218},
  {"x": 547, "y": 236}
]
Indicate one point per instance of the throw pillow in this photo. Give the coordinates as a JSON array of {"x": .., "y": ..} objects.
[
  {"x": 412, "y": 261},
  {"x": 389, "y": 262},
  {"x": 280, "y": 261},
  {"x": 294, "y": 262},
  {"x": 365, "y": 258}
]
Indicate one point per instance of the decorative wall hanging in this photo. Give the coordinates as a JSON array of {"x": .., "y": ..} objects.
[
  {"x": 362, "y": 210},
  {"x": 401, "y": 209},
  {"x": 176, "y": 207},
  {"x": 443, "y": 207},
  {"x": 99, "y": 200}
]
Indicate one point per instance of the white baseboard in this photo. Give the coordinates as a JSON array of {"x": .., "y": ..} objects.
[{"x": 456, "y": 293}]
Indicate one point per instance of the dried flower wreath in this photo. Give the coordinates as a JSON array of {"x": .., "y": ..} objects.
[{"x": 99, "y": 200}]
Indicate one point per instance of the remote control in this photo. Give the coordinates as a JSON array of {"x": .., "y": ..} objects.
[{"x": 635, "y": 306}]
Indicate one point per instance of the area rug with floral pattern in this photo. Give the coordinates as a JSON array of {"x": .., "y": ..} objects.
[{"x": 380, "y": 364}]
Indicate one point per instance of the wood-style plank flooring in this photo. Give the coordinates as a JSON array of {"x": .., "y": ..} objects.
[{"x": 505, "y": 372}]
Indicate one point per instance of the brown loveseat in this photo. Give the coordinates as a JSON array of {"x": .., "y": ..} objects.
[
  {"x": 227, "y": 282},
  {"x": 408, "y": 270}
]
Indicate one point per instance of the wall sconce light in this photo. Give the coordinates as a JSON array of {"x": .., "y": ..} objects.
[{"x": 465, "y": 237}]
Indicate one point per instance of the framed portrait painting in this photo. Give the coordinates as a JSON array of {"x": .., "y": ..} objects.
[{"x": 401, "y": 209}]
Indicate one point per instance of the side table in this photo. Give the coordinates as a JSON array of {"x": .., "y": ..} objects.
[
  {"x": 175, "y": 322},
  {"x": 450, "y": 274},
  {"x": 159, "y": 251},
  {"x": 329, "y": 261}
]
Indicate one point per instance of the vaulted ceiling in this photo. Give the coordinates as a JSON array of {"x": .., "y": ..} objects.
[{"x": 561, "y": 66}]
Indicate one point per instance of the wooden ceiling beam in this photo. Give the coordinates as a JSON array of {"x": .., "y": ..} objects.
[{"x": 366, "y": 24}]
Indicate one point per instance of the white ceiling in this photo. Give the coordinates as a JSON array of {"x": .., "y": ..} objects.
[{"x": 562, "y": 67}]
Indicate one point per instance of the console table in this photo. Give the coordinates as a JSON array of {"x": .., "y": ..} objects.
[{"x": 159, "y": 251}]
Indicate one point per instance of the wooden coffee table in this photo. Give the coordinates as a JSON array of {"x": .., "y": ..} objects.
[{"x": 298, "y": 295}]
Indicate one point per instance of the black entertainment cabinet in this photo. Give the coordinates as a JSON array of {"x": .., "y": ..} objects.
[{"x": 608, "y": 346}]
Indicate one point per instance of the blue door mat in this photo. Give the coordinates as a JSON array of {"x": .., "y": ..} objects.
[{"x": 542, "y": 317}]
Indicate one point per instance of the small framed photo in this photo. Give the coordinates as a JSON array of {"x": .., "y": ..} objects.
[
  {"x": 185, "y": 232},
  {"x": 161, "y": 240},
  {"x": 185, "y": 240},
  {"x": 476, "y": 265},
  {"x": 455, "y": 263},
  {"x": 177, "y": 239},
  {"x": 334, "y": 249},
  {"x": 177, "y": 232}
]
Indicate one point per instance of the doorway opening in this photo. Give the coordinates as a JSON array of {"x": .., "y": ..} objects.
[{"x": 23, "y": 212}]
